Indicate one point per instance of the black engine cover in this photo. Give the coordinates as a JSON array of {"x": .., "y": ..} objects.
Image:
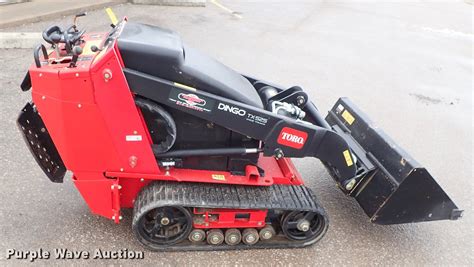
[{"x": 161, "y": 53}]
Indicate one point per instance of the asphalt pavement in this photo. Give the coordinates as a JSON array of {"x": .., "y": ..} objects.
[
  {"x": 408, "y": 65},
  {"x": 39, "y": 10}
]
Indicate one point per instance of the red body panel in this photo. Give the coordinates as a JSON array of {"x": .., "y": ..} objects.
[
  {"x": 229, "y": 218},
  {"x": 91, "y": 116}
]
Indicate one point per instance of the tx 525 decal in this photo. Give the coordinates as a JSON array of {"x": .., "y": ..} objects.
[
  {"x": 292, "y": 138},
  {"x": 243, "y": 113}
]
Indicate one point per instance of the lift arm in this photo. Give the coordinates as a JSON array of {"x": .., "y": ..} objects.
[{"x": 282, "y": 136}]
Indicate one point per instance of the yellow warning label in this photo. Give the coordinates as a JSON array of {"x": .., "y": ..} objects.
[
  {"x": 348, "y": 157},
  {"x": 348, "y": 117},
  {"x": 184, "y": 86},
  {"x": 112, "y": 16},
  {"x": 218, "y": 177}
]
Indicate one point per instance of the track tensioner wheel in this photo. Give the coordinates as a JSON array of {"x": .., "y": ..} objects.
[
  {"x": 303, "y": 225},
  {"x": 161, "y": 226}
]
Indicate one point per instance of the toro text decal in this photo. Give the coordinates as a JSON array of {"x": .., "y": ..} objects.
[{"x": 292, "y": 138}]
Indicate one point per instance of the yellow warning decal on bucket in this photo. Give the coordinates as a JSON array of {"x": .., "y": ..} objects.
[
  {"x": 218, "y": 177},
  {"x": 184, "y": 86},
  {"x": 348, "y": 157},
  {"x": 112, "y": 16},
  {"x": 348, "y": 117}
]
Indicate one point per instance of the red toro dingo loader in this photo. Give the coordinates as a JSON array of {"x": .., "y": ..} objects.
[{"x": 201, "y": 152}]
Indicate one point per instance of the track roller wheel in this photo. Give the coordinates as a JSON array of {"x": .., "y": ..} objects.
[
  {"x": 303, "y": 225},
  {"x": 232, "y": 237},
  {"x": 267, "y": 232},
  {"x": 250, "y": 236},
  {"x": 197, "y": 235},
  {"x": 215, "y": 237},
  {"x": 156, "y": 227}
]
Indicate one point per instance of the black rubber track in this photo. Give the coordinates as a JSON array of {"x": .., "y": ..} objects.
[{"x": 202, "y": 195}]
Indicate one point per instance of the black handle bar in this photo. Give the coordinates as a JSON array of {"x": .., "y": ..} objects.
[{"x": 36, "y": 54}]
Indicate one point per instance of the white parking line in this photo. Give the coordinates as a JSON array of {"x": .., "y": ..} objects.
[{"x": 226, "y": 9}]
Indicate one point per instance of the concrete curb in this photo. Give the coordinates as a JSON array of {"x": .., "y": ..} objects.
[
  {"x": 55, "y": 14},
  {"x": 8, "y": 2},
  {"x": 20, "y": 39}
]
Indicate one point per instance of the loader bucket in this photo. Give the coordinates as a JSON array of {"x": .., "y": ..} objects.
[{"x": 395, "y": 188}]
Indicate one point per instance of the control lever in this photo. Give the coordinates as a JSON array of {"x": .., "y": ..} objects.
[
  {"x": 76, "y": 51},
  {"x": 94, "y": 48},
  {"x": 74, "y": 25}
]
